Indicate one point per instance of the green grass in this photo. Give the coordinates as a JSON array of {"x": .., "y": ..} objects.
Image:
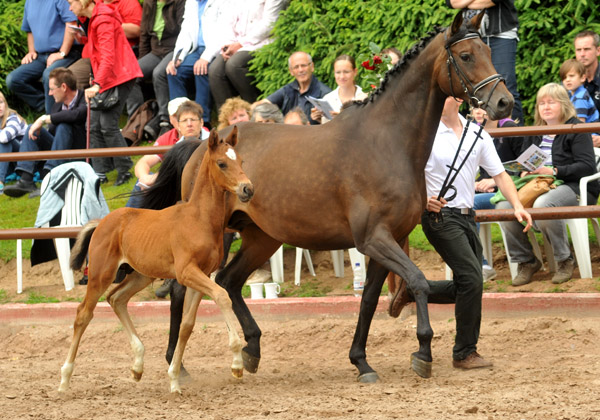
[
  {"x": 34, "y": 297},
  {"x": 21, "y": 212},
  {"x": 3, "y": 296}
]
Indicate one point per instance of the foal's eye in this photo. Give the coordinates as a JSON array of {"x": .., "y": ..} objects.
[
  {"x": 222, "y": 165},
  {"x": 465, "y": 57}
]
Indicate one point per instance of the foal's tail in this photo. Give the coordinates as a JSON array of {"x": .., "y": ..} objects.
[
  {"x": 166, "y": 189},
  {"x": 80, "y": 249}
]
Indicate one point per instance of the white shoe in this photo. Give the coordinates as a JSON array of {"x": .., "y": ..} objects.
[
  {"x": 259, "y": 276},
  {"x": 488, "y": 273}
]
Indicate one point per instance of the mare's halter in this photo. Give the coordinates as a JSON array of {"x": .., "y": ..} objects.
[{"x": 474, "y": 102}]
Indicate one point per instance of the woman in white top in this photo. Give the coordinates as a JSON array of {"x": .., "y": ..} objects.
[{"x": 345, "y": 71}]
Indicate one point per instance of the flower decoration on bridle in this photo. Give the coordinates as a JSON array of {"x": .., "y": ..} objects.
[{"x": 375, "y": 64}]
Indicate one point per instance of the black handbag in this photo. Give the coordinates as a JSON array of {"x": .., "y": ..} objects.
[{"x": 105, "y": 100}]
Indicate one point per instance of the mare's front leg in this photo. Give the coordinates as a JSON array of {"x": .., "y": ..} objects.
[
  {"x": 118, "y": 299},
  {"x": 177, "y": 293},
  {"x": 381, "y": 246},
  {"x": 256, "y": 249}
]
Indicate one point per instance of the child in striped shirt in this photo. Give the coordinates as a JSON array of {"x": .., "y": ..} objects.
[{"x": 572, "y": 74}]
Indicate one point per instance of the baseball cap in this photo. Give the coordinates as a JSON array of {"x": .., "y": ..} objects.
[{"x": 174, "y": 104}]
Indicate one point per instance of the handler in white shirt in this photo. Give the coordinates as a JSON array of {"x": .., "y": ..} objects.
[{"x": 454, "y": 236}]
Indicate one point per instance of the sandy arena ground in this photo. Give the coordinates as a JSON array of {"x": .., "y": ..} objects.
[{"x": 545, "y": 368}]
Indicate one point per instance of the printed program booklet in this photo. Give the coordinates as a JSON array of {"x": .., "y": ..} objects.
[
  {"x": 529, "y": 160},
  {"x": 322, "y": 105}
]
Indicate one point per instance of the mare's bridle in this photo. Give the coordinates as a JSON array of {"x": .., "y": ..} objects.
[
  {"x": 474, "y": 102},
  {"x": 466, "y": 83}
]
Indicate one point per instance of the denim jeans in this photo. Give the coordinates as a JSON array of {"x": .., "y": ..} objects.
[
  {"x": 456, "y": 240},
  {"x": 24, "y": 80},
  {"x": 178, "y": 84},
  {"x": 519, "y": 248},
  {"x": 10, "y": 147},
  {"x": 61, "y": 140},
  {"x": 504, "y": 59},
  {"x": 105, "y": 132},
  {"x": 482, "y": 202},
  {"x": 154, "y": 68}
]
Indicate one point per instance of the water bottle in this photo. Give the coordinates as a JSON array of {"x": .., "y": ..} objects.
[{"x": 359, "y": 283}]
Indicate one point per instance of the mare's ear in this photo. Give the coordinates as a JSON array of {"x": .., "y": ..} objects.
[
  {"x": 476, "y": 20},
  {"x": 213, "y": 139},
  {"x": 232, "y": 138},
  {"x": 457, "y": 23}
]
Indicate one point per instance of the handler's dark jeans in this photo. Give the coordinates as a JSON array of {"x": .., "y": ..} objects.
[{"x": 457, "y": 242}]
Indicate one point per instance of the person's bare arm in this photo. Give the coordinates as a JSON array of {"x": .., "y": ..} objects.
[
  {"x": 132, "y": 31},
  {"x": 65, "y": 48},
  {"x": 143, "y": 168},
  {"x": 31, "y": 54},
  {"x": 507, "y": 187},
  {"x": 471, "y": 4}
]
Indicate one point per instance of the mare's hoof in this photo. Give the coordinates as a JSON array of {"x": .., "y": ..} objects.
[
  {"x": 421, "y": 367},
  {"x": 237, "y": 373},
  {"x": 250, "y": 362},
  {"x": 137, "y": 376},
  {"x": 368, "y": 378}
]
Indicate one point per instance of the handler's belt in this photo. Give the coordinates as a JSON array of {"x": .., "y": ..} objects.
[{"x": 456, "y": 210}]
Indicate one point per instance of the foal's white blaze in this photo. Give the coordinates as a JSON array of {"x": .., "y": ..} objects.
[{"x": 231, "y": 154}]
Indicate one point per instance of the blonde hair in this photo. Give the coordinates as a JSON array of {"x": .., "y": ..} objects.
[
  {"x": 229, "y": 107},
  {"x": 7, "y": 113},
  {"x": 560, "y": 95},
  {"x": 86, "y": 3}
]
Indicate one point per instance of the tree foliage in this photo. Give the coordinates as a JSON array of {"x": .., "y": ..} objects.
[{"x": 328, "y": 28}]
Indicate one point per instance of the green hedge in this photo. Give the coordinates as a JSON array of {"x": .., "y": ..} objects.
[{"x": 327, "y": 28}]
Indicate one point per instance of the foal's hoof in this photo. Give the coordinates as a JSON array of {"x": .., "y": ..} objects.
[
  {"x": 237, "y": 373},
  {"x": 368, "y": 378},
  {"x": 137, "y": 376},
  {"x": 250, "y": 362},
  {"x": 421, "y": 367}
]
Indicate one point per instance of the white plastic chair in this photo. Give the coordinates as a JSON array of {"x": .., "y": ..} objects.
[
  {"x": 70, "y": 216},
  {"x": 337, "y": 258}
]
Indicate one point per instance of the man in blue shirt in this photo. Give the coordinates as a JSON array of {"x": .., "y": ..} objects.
[
  {"x": 295, "y": 93},
  {"x": 49, "y": 46}
]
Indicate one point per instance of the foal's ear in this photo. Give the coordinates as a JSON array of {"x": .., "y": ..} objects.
[
  {"x": 476, "y": 20},
  {"x": 232, "y": 138},
  {"x": 213, "y": 139},
  {"x": 457, "y": 23}
]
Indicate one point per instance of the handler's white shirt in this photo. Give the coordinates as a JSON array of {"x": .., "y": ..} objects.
[{"x": 444, "y": 148}]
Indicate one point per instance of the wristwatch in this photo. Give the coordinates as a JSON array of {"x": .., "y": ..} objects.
[{"x": 62, "y": 54}]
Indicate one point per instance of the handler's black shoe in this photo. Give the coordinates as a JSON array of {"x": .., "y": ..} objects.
[
  {"x": 20, "y": 188},
  {"x": 122, "y": 178}
]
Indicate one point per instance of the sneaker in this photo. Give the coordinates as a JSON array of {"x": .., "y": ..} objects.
[
  {"x": 122, "y": 178},
  {"x": 564, "y": 272},
  {"x": 472, "y": 361},
  {"x": 259, "y": 276},
  {"x": 488, "y": 273},
  {"x": 20, "y": 188},
  {"x": 526, "y": 271},
  {"x": 165, "y": 289}
]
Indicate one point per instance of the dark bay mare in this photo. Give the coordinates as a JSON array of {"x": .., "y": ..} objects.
[{"x": 357, "y": 180}]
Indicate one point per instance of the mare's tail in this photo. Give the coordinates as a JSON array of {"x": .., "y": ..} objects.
[
  {"x": 166, "y": 189},
  {"x": 80, "y": 249}
]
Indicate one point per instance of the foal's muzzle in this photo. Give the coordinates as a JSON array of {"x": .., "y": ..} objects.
[{"x": 245, "y": 192}]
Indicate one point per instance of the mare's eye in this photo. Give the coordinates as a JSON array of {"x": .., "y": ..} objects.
[
  {"x": 222, "y": 165},
  {"x": 465, "y": 57}
]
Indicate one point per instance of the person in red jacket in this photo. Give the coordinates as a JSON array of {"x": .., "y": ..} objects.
[{"x": 115, "y": 67}]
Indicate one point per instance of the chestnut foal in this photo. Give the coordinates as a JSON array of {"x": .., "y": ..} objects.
[{"x": 183, "y": 241}]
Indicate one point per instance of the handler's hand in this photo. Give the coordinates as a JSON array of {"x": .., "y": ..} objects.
[
  {"x": 522, "y": 214},
  {"x": 434, "y": 205}
]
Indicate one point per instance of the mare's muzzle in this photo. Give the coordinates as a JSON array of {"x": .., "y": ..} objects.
[{"x": 245, "y": 192}]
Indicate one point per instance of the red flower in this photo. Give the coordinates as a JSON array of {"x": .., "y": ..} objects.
[
  {"x": 373, "y": 86},
  {"x": 367, "y": 66},
  {"x": 377, "y": 60}
]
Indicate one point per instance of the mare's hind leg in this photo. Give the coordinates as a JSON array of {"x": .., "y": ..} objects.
[
  {"x": 256, "y": 249},
  {"x": 376, "y": 275},
  {"x": 382, "y": 247},
  {"x": 118, "y": 299},
  {"x": 98, "y": 282}
]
